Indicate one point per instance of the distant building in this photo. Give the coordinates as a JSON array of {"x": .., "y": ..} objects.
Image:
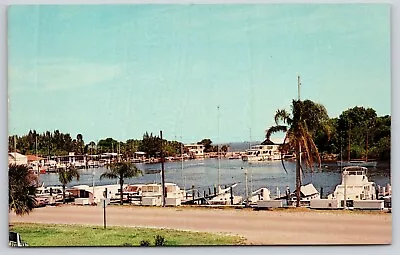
[
  {"x": 195, "y": 150},
  {"x": 33, "y": 158},
  {"x": 17, "y": 158}
]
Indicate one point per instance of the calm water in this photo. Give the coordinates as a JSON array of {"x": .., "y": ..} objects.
[{"x": 204, "y": 174}]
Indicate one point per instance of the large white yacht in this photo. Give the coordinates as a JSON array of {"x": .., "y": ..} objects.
[
  {"x": 355, "y": 185},
  {"x": 262, "y": 153}
]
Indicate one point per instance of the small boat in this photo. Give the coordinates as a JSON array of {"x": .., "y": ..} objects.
[
  {"x": 52, "y": 193},
  {"x": 223, "y": 197},
  {"x": 152, "y": 171},
  {"x": 362, "y": 163}
]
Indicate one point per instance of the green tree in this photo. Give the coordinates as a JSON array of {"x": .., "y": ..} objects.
[
  {"x": 300, "y": 125},
  {"x": 121, "y": 171},
  {"x": 21, "y": 189},
  {"x": 207, "y": 145},
  {"x": 355, "y": 127},
  {"x": 66, "y": 175},
  {"x": 150, "y": 144}
]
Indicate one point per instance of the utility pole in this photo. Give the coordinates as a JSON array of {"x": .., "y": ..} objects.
[
  {"x": 104, "y": 208},
  {"x": 246, "y": 187},
  {"x": 38, "y": 167},
  {"x": 345, "y": 189},
  {"x": 162, "y": 171}
]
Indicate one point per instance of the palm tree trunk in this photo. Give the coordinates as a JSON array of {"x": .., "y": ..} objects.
[
  {"x": 121, "y": 183},
  {"x": 298, "y": 178},
  {"x": 63, "y": 186}
]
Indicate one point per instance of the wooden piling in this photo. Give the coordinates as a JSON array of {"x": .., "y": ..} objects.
[{"x": 231, "y": 196}]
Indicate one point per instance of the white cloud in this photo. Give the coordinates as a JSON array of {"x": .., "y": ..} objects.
[{"x": 60, "y": 74}]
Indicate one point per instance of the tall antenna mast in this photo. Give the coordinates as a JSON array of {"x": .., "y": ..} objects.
[{"x": 298, "y": 86}]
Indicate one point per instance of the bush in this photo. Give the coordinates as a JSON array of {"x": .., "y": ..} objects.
[
  {"x": 159, "y": 240},
  {"x": 145, "y": 243},
  {"x": 127, "y": 245}
]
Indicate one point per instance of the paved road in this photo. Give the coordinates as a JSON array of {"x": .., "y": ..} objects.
[{"x": 259, "y": 227}]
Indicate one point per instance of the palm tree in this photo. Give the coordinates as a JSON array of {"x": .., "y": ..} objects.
[
  {"x": 21, "y": 189},
  {"x": 300, "y": 126},
  {"x": 121, "y": 170},
  {"x": 65, "y": 176}
]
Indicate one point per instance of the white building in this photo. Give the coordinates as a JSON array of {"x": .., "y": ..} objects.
[
  {"x": 17, "y": 158},
  {"x": 195, "y": 150}
]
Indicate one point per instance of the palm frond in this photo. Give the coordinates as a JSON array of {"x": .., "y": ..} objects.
[
  {"x": 282, "y": 116},
  {"x": 282, "y": 154},
  {"x": 274, "y": 129},
  {"x": 108, "y": 175}
]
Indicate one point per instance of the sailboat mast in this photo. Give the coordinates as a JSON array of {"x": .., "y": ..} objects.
[
  {"x": 38, "y": 168},
  {"x": 183, "y": 182},
  {"x": 218, "y": 154},
  {"x": 366, "y": 149},
  {"x": 348, "y": 151}
]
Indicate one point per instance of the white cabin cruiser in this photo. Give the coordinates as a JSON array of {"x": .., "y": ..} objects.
[
  {"x": 262, "y": 153},
  {"x": 355, "y": 185}
]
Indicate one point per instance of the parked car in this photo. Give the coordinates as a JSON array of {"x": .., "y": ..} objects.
[{"x": 15, "y": 240}]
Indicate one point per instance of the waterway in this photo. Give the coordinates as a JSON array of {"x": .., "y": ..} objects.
[{"x": 203, "y": 174}]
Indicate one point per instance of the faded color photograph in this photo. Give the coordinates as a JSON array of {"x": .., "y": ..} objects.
[{"x": 199, "y": 125}]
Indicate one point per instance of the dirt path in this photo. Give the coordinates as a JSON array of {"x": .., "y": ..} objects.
[{"x": 259, "y": 227}]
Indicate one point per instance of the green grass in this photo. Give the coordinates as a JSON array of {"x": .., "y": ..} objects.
[{"x": 81, "y": 235}]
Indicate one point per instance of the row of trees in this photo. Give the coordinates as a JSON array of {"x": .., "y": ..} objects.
[
  {"x": 367, "y": 134},
  {"x": 57, "y": 143},
  {"x": 47, "y": 143}
]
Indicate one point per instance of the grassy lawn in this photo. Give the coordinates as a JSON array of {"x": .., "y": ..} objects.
[{"x": 81, "y": 235}]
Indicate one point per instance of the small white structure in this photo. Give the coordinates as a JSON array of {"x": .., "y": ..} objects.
[
  {"x": 152, "y": 194},
  {"x": 17, "y": 158},
  {"x": 309, "y": 192},
  {"x": 195, "y": 150},
  {"x": 368, "y": 204},
  {"x": 151, "y": 201},
  {"x": 269, "y": 203},
  {"x": 324, "y": 204},
  {"x": 260, "y": 194},
  {"x": 82, "y": 201}
]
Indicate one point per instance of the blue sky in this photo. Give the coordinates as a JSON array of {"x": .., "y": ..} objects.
[{"x": 120, "y": 70}]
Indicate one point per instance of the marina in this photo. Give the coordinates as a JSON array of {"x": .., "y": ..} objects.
[{"x": 202, "y": 175}]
